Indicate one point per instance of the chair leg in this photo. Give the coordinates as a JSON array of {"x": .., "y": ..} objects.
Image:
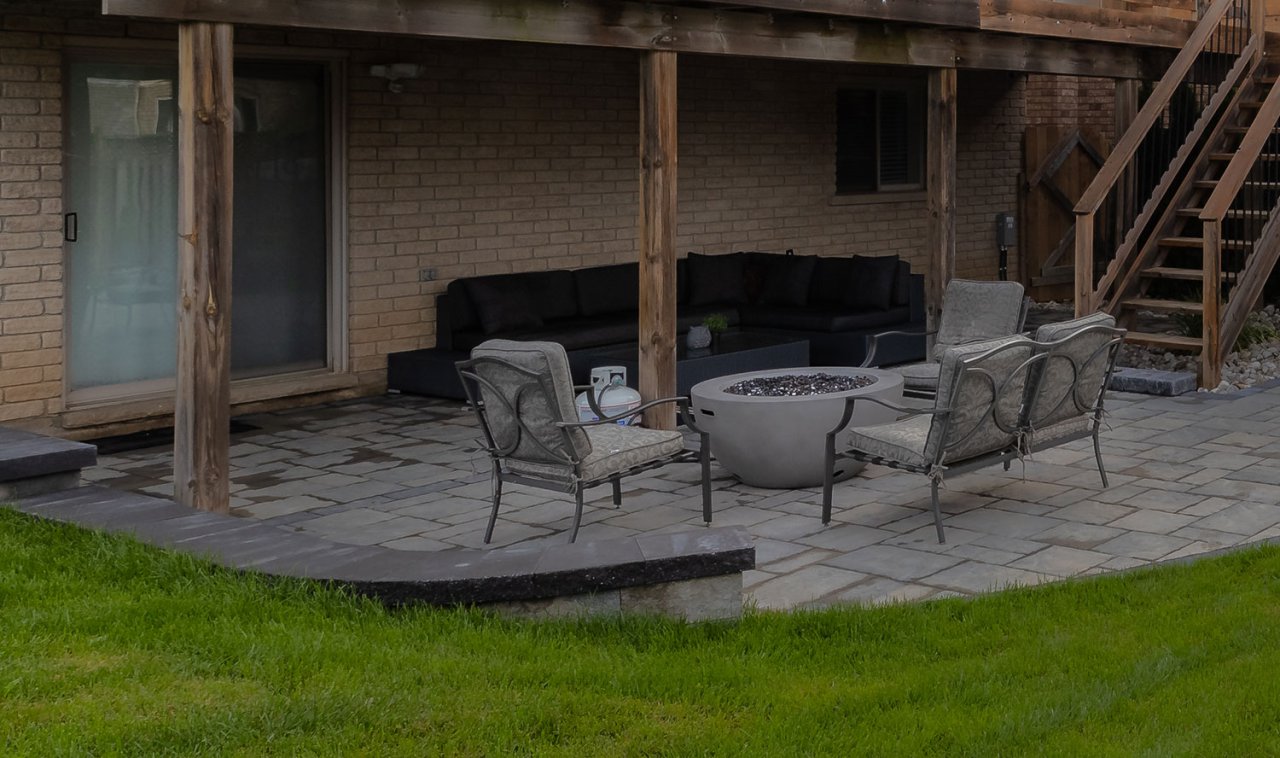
[
  {"x": 937, "y": 512},
  {"x": 497, "y": 499},
  {"x": 577, "y": 515},
  {"x": 704, "y": 460},
  {"x": 1097, "y": 453},
  {"x": 617, "y": 492}
]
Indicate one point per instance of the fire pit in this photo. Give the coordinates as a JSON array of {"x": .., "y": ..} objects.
[{"x": 769, "y": 428}]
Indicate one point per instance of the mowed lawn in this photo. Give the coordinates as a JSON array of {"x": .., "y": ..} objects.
[{"x": 108, "y": 647}]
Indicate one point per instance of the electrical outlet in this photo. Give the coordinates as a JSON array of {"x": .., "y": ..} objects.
[{"x": 427, "y": 275}]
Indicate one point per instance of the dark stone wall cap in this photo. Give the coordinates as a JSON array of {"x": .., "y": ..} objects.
[{"x": 26, "y": 455}]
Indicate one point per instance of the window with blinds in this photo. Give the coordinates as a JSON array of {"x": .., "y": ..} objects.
[{"x": 879, "y": 139}]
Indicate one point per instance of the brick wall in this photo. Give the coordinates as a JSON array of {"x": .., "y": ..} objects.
[
  {"x": 30, "y": 220},
  {"x": 1072, "y": 100},
  {"x": 504, "y": 157}
]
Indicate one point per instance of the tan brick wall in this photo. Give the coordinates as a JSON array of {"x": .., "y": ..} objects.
[
  {"x": 1072, "y": 100},
  {"x": 30, "y": 219},
  {"x": 504, "y": 157}
]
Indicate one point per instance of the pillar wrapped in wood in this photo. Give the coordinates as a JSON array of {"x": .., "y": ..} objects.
[
  {"x": 941, "y": 186},
  {"x": 203, "y": 404},
  {"x": 658, "y": 233}
]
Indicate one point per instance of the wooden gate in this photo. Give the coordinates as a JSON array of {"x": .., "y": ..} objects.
[{"x": 1058, "y": 162}]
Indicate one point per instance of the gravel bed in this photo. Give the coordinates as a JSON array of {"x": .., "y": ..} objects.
[{"x": 1244, "y": 368}]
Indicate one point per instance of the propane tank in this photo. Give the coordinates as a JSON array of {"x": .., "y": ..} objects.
[{"x": 609, "y": 384}]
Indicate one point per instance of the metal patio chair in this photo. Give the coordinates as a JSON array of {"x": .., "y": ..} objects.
[
  {"x": 997, "y": 400},
  {"x": 972, "y": 311},
  {"x": 522, "y": 394}
]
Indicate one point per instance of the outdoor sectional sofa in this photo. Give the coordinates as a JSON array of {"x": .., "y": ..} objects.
[{"x": 833, "y": 302}]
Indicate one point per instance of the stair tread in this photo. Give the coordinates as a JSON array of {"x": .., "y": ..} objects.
[
  {"x": 1198, "y": 242},
  {"x": 1171, "y": 341},
  {"x": 1195, "y": 213},
  {"x": 1213, "y": 183},
  {"x": 1224, "y": 156},
  {"x": 1173, "y": 272},
  {"x": 1157, "y": 304}
]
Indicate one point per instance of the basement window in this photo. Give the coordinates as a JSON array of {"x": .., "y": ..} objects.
[{"x": 880, "y": 138}]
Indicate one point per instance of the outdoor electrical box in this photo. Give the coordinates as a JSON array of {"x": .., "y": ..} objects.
[
  {"x": 1006, "y": 231},
  {"x": 1006, "y": 237}
]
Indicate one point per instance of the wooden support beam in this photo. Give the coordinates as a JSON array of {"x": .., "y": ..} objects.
[
  {"x": 1084, "y": 264},
  {"x": 202, "y": 406},
  {"x": 941, "y": 186},
  {"x": 1211, "y": 317},
  {"x": 648, "y": 26},
  {"x": 658, "y": 169}
]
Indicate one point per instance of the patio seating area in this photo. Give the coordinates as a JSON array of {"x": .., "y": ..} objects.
[{"x": 1188, "y": 475}]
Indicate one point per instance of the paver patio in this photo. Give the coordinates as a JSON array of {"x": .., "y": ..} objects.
[{"x": 1188, "y": 475}]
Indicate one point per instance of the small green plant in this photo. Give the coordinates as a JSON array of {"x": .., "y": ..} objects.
[
  {"x": 716, "y": 323},
  {"x": 1255, "y": 332}
]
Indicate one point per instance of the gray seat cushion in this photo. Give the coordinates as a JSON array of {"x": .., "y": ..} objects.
[
  {"x": 919, "y": 376},
  {"x": 902, "y": 441},
  {"x": 1074, "y": 369},
  {"x": 507, "y": 393},
  {"x": 974, "y": 311},
  {"x": 614, "y": 449},
  {"x": 984, "y": 387}
]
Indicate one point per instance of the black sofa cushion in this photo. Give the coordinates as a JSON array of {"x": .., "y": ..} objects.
[
  {"x": 902, "y": 288},
  {"x": 785, "y": 280},
  {"x": 554, "y": 293},
  {"x": 873, "y": 282},
  {"x": 717, "y": 279},
  {"x": 812, "y": 320},
  {"x": 606, "y": 290},
  {"x": 503, "y": 303},
  {"x": 831, "y": 277}
]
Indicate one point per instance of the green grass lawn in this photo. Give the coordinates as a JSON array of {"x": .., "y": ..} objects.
[{"x": 108, "y": 647}]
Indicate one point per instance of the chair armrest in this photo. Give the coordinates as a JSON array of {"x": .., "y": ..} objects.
[
  {"x": 849, "y": 403},
  {"x": 873, "y": 342},
  {"x": 680, "y": 401}
]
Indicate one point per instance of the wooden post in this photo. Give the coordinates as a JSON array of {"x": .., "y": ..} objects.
[
  {"x": 941, "y": 182},
  {"x": 658, "y": 159},
  {"x": 202, "y": 407},
  {"x": 1258, "y": 27},
  {"x": 1211, "y": 318},
  {"x": 1084, "y": 264}
]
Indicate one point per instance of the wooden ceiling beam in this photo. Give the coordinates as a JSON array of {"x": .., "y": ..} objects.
[
  {"x": 1047, "y": 18},
  {"x": 954, "y": 13},
  {"x": 644, "y": 26}
]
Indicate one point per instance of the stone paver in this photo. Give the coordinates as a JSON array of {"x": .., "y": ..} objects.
[{"x": 1188, "y": 475}]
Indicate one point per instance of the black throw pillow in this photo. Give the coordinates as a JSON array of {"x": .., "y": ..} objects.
[
  {"x": 831, "y": 278},
  {"x": 716, "y": 279},
  {"x": 786, "y": 280},
  {"x": 902, "y": 289},
  {"x": 503, "y": 303},
  {"x": 874, "y": 280}
]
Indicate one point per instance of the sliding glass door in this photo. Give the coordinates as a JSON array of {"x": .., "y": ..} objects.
[{"x": 122, "y": 225}]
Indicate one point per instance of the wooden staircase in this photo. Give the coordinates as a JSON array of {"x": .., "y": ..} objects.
[{"x": 1181, "y": 218}]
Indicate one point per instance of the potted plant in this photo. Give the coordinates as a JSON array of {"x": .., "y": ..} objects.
[{"x": 700, "y": 336}]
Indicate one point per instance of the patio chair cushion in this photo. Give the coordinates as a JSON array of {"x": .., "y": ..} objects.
[
  {"x": 1050, "y": 436},
  {"x": 538, "y": 410},
  {"x": 717, "y": 279},
  {"x": 985, "y": 396},
  {"x": 1071, "y": 375},
  {"x": 902, "y": 441},
  {"x": 973, "y": 311},
  {"x": 614, "y": 449},
  {"x": 919, "y": 376}
]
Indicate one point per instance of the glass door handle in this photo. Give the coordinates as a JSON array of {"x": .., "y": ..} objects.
[{"x": 70, "y": 227}]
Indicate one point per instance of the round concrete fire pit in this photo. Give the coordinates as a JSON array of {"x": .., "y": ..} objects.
[{"x": 778, "y": 441}]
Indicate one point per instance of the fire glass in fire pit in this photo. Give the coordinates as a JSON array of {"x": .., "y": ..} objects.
[{"x": 799, "y": 385}]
